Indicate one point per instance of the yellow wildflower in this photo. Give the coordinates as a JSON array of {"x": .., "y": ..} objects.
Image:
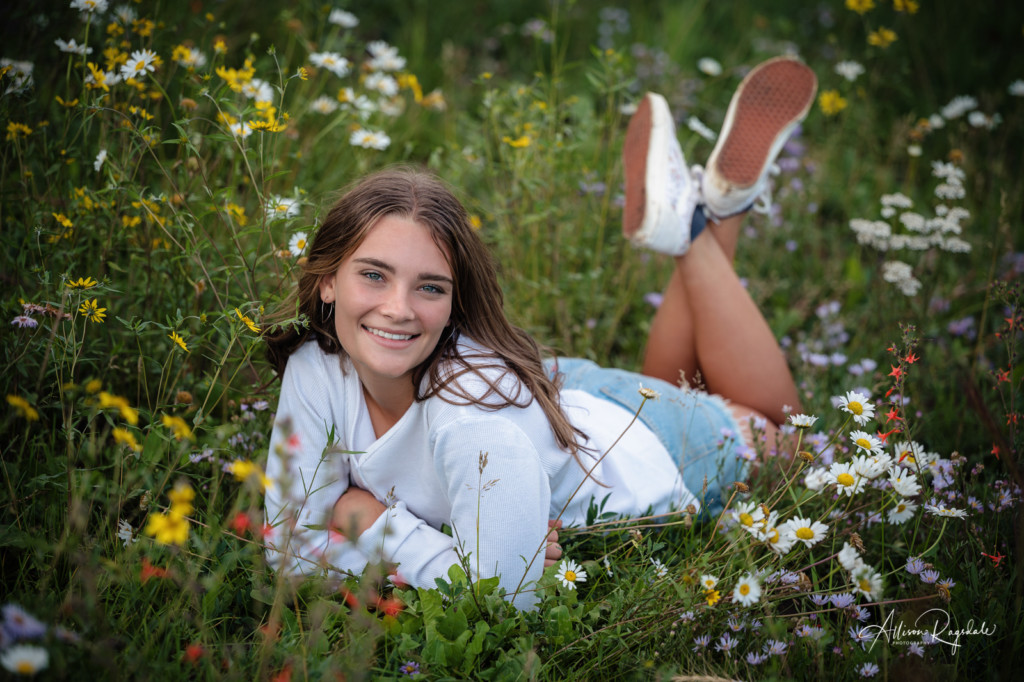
[
  {"x": 303, "y": 73},
  {"x": 114, "y": 57},
  {"x": 178, "y": 426},
  {"x": 475, "y": 222},
  {"x": 176, "y": 337},
  {"x": 130, "y": 220},
  {"x": 238, "y": 213},
  {"x": 92, "y": 310},
  {"x": 518, "y": 143},
  {"x": 408, "y": 81},
  {"x": 125, "y": 437},
  {"x": 860, "y": 6},
  {"x": 128, "y": 413},
  {"x": 908, "y": 6},
  {"x": 831, "y": 102},
  {"x": 16, "y": 130},
  {"x": 22, "y": 407},
  {"x": 143, "y": 27},
  {"x": 266, "y": 126},
  {"x": 63, "y": 103},
  {"x": 712, "y": 596},
  {"x": 99, "y": 78},
  {"x": 883, "y": 37},
  {"x": 219, "y": 46},
  {"x": 84, "y": 283},
  {"x": 248, "y": 321},
  {"x": 435, "y": 101},
  {"x": 62, "y": 219},
  {"x": 93, "y": 385},
  {"x": 181, "y": 497},
  {"x": 168, "y": 529},
  {"x": 244, "y": 470},
  {"x": 236, "y": 78}
]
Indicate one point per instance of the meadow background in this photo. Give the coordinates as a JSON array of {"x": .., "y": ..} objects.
[{"x": 157, "y": 194}]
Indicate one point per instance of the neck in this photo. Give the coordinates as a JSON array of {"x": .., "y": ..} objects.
[{"x": 386, "y": 405}]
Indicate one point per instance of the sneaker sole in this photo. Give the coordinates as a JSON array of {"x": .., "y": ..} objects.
[
  {"x": 634, "y": 161},
  {"x": 770, "y": 102}
]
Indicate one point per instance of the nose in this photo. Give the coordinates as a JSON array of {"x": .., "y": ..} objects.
[{"x": 396, "y": 304}]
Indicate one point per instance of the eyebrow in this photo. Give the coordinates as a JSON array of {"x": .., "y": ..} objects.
[{"x": 423, "y": 276}]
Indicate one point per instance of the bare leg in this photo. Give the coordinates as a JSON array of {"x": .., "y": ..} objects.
[{"x": 707, "y": 321}]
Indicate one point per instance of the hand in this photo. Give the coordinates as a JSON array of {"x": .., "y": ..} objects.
[
  {"x": 553, "y": 552},
  {"x": 355, "y": 511}
]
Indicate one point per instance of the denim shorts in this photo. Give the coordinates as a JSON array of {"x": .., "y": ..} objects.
[{"x": 696, "y": 428}]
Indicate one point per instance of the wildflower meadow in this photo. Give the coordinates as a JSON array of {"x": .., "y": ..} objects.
[{"x": 165, "y": 164}]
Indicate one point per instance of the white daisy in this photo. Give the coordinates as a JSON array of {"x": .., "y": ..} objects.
[
  {"x": 379, "y": 48},
  {"x": 390, "y": 61},
  {"x": 382, "y": 83},
  {"x": 708, "y": 582},
  {"x": 25, "y": 659},
  {"x": 747, "y": 591},
  {"x": 369, "y": 139},
  {"x": 90, "y": 6},
  {"x": 867, "y": 581},
  {"x": 141, "y": 61},
  {"x": 909, "y": 454},
  {"x": 282, "y": 207},
  {"x": 709, "y": 66},
  {"x": 100, "y": 158},
  {"x": 749, "y": 516},
  {"x": 240, "y": 129},
  {"x": 872, "y": 466},
  {"x": 847, "y": 481},
  {"x": 778, "y": 541},
  {"x": 849, "y": 558},
  {"x": 332, "y": 61},
  {"x": 849, "y": 70},
  {"x": 858, "y": 405},
  {"x": 259, "y": 90},
  {"x": 959, "y": 106},
  {"x": 1016, "y": 88},
  {"x": 125, "y": 14},
  {"x": 570, "y": 573},
  {"x": 340, "y": 17},
  {"x": 125, "y": 533},
  {"x": 193, "y": 59},
  {"x": 816, "y": 478},
  {"x": 949, "y": 512},
  {"x": 110, "y": 78},
  {"x": 297, "y": 244},
  {"x": 903, "y": 482},
  {"x": 866, "y": 442},
  {"x": 804, "y": 530},
  {"x": 902, "y": 512},
  {"x": 660, "y": 569},
  {"x": 72, "y": 47},
  {"x": 324, "y": 105},
  {"x": 802, "y": 421}
]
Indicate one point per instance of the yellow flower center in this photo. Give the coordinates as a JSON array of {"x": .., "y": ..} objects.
[
  {"x": 844, "y": 479},
  {"x": 864, "y": 443},
  {"x": 301, "y": 244},
  {"x": 773, "y": 535},
  {"x": 855, "y": 407},
  {"x": 864, "y": 584},
  {"x": 900, "y": 508},
  {"x": 570, "y": 576},
  {"x": 140, "y": 65},
  {"x": 805, "y": 533},
  {"x": 744, "y": 589},
  {"x": 25, "y": 668},
  {"x": 746, "y": 519}
]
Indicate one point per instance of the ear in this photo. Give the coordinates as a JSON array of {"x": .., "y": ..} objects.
[{"x": 327, "y": 293}]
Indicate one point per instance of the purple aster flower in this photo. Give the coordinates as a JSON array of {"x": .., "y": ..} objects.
[
  {"x": 24, "y": 321},
  {"x": 756, "y": 659},
  {"x": 916, "y": 649},
  {"x": 819, "y": 599},
  {"x": 861, "y": 613},
  {"x": 929, "y": 577},
  {"x": 842, "y": 601},
  {"x": 701, "y": 642},
  {"x": 726, "y": 643},
  {"x": 654, "y": 298},
  {"x": 860, "y": 635},
  {"x": 802, "y": 630},
  {"x": 410, "y": 668},
  {"x": 868, "y": 670},
  {"x": 20, "y": 624},
  {"x": 946, "y": 583},
  {"x": 774, "y": 647},
  {"x": 914, "y": 566}
]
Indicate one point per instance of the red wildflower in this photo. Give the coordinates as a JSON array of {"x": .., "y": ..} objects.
[
  {"x": 350, "y": 599},
  {"x": 893, "y": 415},
  {"x": 240, "y": 523},
  {"x": 284, "y": 675},
  {"x": 911, "y": 358},
  {"x": 193, "y": 652},
  {"x": 1002, "y": 376},
  {"x": 883, "y": 436},
  {"x": 390, "y": 606},
  {"x": 151, "y": 571},
  {"x": 996, "y": 558},
  {"x": 995, "y": 451},
  {"x": 897, "y": 372}
]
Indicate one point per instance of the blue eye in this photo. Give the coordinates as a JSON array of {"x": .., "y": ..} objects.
[
  {"x": 373, "y": 276},
  {"x": 433, "y": 289}
]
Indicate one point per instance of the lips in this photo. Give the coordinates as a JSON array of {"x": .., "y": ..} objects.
[{"x": 391, "y": 336}]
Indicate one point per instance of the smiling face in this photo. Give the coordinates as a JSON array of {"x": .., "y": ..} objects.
[{"x": 393, "y": 300}]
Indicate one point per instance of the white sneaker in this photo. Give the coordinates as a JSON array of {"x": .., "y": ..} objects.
[
  {"x": 769, "y": 103},
  {"x": 661, "y": 194}
]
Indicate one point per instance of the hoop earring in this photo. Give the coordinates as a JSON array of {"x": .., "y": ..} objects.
[{"x": 323, "y": 310}]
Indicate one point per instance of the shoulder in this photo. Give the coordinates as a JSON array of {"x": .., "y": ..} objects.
[{"x": 481, "y": 377}]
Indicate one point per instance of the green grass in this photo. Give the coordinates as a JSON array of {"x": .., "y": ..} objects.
[{"x": 174, "y": 231}]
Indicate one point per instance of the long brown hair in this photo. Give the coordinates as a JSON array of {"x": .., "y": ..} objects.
[{"x": 477, "y": 301}]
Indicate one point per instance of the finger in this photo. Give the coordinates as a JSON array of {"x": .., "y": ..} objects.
[
  {"x": 554, "y": 523},
  {"x": 552, "y": 536}
]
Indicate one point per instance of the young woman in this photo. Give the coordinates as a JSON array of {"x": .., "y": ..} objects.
[{"x": 410, "y": 402}]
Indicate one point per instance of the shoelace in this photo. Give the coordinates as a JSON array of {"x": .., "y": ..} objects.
[{"x": 763, "y": 201}]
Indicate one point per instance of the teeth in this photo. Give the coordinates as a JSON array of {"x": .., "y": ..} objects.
[{"x": 386, "y": 335}]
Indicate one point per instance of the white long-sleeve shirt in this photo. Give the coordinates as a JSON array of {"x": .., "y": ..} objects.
[{"x": 426, "y": 469}]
